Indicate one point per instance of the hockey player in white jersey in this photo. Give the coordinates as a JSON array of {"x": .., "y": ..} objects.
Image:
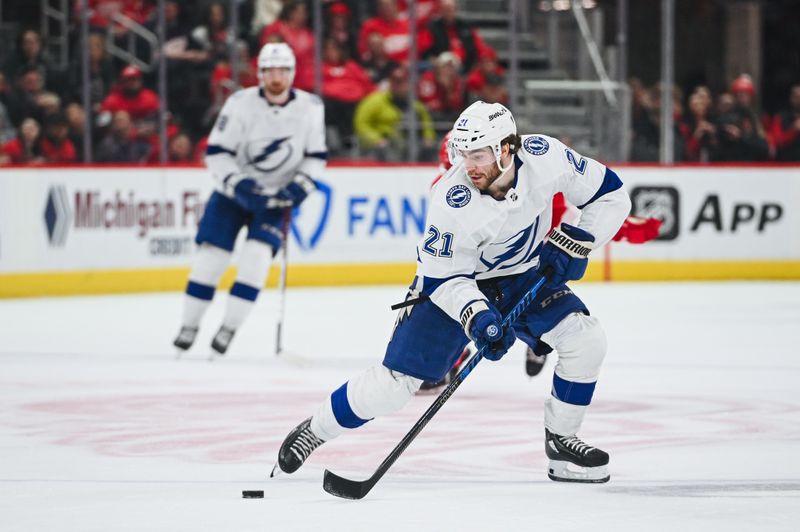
[
  {"x": 484, "y": 248},
  {"x": 266, "y": 148}
]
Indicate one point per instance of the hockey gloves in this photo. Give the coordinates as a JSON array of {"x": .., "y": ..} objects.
[
  {"x": 487, "y": 332},
  {"x": 565, "y": 253},
  {"x": 294, "y": 193},
  {"x": 248, "y": 196}
]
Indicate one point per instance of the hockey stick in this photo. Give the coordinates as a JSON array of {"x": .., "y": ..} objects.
[
  {"x": 357, "y": 489},
  {"x": 287, "y": 220}
]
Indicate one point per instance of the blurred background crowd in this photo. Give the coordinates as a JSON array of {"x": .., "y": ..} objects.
[{"x": 369, "y": 64}]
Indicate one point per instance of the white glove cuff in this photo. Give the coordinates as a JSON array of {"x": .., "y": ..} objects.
[{"x": 469, "y": 312}]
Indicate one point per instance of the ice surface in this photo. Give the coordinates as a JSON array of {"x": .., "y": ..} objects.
[{"x": 102, "y": 429}]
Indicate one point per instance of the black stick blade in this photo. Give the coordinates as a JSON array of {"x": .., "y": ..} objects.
[{"x": 346, "y": 488}]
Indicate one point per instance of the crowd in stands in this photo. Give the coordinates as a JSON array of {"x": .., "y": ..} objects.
[
  {"x": 729, "y": 127},
  {"x": 364, "y": 85}
]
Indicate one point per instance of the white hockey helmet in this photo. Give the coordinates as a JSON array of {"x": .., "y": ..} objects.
[
  {"x": 276, "y": 55},
  {"x": 480, "y": 125}
]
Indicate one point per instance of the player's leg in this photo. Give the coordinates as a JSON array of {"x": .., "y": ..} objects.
[
  {"x": 424, "y": 346},
  {"x": 581, "y": 345},
  {"x": 559, "y": 319},
  {"x": 263, "y": 241},
  {"x": 216, "y": 236}
]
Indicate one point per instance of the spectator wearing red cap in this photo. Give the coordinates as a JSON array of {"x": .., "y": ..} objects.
[
  {"x": 786, "y": 128},
  {"x": 341, "y": 29},
  {"x": 292, "y": 28},
  {"x": 131, "y": 96},
  {"x": 739, "y": 133},
  {"x": 395, "y": 32},
  {"x": 344, "y": 84}
]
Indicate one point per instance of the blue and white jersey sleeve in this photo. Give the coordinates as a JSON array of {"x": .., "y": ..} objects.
[
  {"x": 595, "y": 189},
  {"x": 224, "y": 141},
  {"x": 316, "y": 151}
]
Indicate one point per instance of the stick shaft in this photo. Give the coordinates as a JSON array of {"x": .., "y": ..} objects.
[{"x": 284, "y": 263}]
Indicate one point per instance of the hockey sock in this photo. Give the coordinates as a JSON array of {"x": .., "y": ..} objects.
[
  {"x": 253, "y": 268},
  {"x": 208, "y": 267},
  {"x": 377, "y": 391}
]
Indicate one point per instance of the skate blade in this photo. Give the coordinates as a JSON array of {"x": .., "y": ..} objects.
[
  {"x": 568, "y": 472},
  {"x": 276, "y": 471}
]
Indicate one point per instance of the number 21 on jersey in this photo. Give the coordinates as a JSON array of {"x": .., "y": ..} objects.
[{"x": 437, "y": 243}]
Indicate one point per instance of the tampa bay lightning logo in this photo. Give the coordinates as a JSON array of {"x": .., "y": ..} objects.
[
  {"x": 536, "y": 145},
  {"x": 492, "y": 331},
  {"x": 268, "y": 155},
  {"x": 458, "y": 196},
  {"x": 310, "y": 220}
]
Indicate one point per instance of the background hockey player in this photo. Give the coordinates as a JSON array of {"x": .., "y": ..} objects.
[
  {"x": 265, "y": 150},
  {"x": 483, "y": 249}
]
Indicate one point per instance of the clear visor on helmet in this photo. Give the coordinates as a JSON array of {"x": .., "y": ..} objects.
[{"x": 480, "y": 157}]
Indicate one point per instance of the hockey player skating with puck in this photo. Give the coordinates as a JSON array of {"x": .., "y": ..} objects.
[
  {"x": 483, "y": 249},
  {"x": 266, "y": 148}
]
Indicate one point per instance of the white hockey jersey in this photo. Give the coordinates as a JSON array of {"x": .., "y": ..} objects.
[
  {"x": 266, "y": 142},
  {"x": 470, "y": 235}
]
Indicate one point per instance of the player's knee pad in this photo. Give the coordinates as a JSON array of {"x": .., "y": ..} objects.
[
  {"x": 581, "y": 345},
  {"x": 379, "y": 391},
  {"x": 209, "y": 265},
  {"x": 253, "y": 264}
]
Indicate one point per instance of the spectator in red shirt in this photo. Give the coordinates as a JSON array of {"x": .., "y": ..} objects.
[
  {"x": 55, "y": 144},
  {"x": 344, "y": 84},
  {"x": 426, "y": 10},
  {"x": 395, "y": 33},
  {"x": 451, "y": 33},
  {"x": 786, "y": 129},
  {"x": 25, "y": 148},
  {"x": 486, "y": 66},
  {"x": 131, "y": 96},
  {"x": 102, "y": 11},
  {"x": 140, "y": 103},
  {"x": 441, "y": 90},
  {"x": 292, "y": 28}
]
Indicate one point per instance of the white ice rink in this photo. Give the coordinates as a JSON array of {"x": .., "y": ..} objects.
[{"x": 101, "y": 429}]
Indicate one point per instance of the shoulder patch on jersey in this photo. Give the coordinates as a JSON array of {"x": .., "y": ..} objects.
[
  {"x": 458, "y": 196},
  {"x": 536, "y": 145}
]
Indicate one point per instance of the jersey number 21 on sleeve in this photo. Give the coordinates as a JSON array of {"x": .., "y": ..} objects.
[{"x": 434, "y": 235}]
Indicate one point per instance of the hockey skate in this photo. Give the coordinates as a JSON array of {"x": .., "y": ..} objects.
[
  {"x": 535, "y": 357},
  {"x": 222, "y": 340},
  {"x": 572, "y": 460},
  {"x": 296, "y": 448},
  {"x": 185, "y": 338}
]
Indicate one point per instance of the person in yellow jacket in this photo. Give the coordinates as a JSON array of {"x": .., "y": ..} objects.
[{"x": 379, "y": 119}]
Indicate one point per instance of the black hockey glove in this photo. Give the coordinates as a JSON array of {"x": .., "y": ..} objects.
[
  {"x": 565, "y": 252},
  {"x": 294, "y": 193}
]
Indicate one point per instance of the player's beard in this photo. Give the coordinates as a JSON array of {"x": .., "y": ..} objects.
[
  {"x": 275, "y": 88},
  {"x": 483, "y": 177}
]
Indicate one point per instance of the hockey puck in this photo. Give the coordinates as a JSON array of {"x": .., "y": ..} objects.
[{"x": 253, "y": 494}]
